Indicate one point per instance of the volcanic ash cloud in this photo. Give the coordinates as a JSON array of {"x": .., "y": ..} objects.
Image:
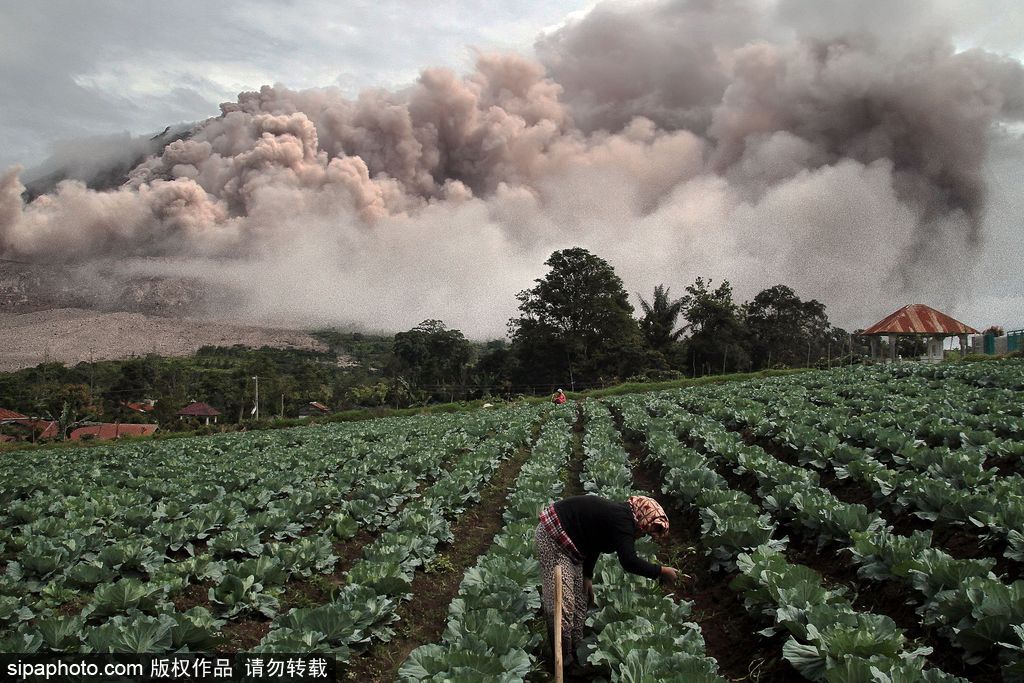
[{"x": 842, "y": 165}]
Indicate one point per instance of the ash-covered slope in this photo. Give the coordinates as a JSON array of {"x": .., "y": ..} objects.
[
  {"x": 102, "y": 286},
  {"x": 71, "y": 336}
]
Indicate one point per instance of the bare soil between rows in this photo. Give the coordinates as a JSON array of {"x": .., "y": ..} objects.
[
  {"x": 423, "y": 618},
  {"x": 958, "y": 541},
  {"x": 836, "y": 567},
  {"x": 730, "y": 632}
]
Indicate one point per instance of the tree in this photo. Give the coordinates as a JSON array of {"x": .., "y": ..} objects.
[
  {"x": 432, "y": 357},
  {"x": 68, "y": 420},
  {"x": 718, "y": 339},
  {"x": 658, "y": 325},
  {"x": 74, "y": 397},
  {"x": 135, "y": 380},
  {"x": 492, "y": 373},
  {"x": 785, "y": 330},
  {"x": 575, "y": 324}
]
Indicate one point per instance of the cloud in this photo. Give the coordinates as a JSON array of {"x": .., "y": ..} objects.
[
  {"x": 71, "y": 70},
  {"x": 674, "y": 138}
]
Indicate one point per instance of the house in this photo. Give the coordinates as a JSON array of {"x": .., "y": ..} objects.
[
  {"x": 10, "y": 416},
  {"x": 108, "y": 431},
  {"x": 26, "y": 428},
  {"x": 313, "y": 409},
  {"x": 41, "y": 429},
  {"x": 198, "y": 409},
  {"x": 145, "y": 406},
  {"x": 994, "y": 341},
  {"x": 919, "y": 321}
]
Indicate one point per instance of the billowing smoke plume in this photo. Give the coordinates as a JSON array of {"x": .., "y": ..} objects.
[{"x": 674, "y": 138}]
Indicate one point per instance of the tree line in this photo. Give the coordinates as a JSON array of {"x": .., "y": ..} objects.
[{"x": 575, "y": 329}]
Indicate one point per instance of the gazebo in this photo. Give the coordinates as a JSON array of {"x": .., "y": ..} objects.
[
  {"x": 197, "y": 409},
  {"x": 920, "y": 321}
]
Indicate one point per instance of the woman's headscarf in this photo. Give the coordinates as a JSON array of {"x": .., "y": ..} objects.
[{"x": 648, "y": 514}]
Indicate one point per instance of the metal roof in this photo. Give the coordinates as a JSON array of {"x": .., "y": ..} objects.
[
  {"x": 11, "y": 415},
  {"x": 109, "y": 430},
  {"x": 919, "y": 319},
  {"x": 197, "y": 409}
]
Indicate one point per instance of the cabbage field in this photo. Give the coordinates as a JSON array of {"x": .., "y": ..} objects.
[{"x": 862, "y": 524}]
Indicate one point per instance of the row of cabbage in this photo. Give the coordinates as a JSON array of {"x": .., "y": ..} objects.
[
  {"x": 827, "y": 640},
  {"x": 490, "y": 632},
  {"x": 889, "y": 406},
  {"x": 978, "y": 613},
  {"x": 364, "y": 609},
  {"x": 638, "y": 632},
  {"x": 975, "y": 610},
  {"x": 129, "y": 540},
  {"x": 952, "y": 486},
  {"x": 126, "y": 559}
]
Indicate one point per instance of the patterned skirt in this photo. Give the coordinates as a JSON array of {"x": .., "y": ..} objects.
[{"x": 574, "y": 597}]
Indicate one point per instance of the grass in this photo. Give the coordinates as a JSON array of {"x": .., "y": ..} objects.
[{"x": 642, "y": 387}]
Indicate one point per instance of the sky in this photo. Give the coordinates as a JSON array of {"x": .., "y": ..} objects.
[
  {"x": 72, "y": 69},
  {"x": 410, "y": 160}
]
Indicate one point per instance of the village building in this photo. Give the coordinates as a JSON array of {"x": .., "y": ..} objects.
[
  {"x": 145, "y": 406},
  {"x": 108, "y": 431},
  {"x": 199, "y": 410},
  {"x": 919, "y": 321},
  {"x": 314, "y": 409},
  {"x": 25, "y": 428},
  {"x": 7, "y": 416}
]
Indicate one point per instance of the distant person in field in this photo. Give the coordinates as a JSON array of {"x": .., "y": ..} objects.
[
  {"x": 559, "y": 397},
  {"x": 572, "y": 533}
]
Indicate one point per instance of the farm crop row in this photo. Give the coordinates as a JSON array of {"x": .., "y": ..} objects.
[
  {"x": 145, "y": 522},
  {"x": 639, "y": 633},
  {"x": 364, "y": 608},
  {"x": 168, "y": 547},
  {"x": 960, "y": 599},
  {"x": 953, "y": 486},
  {"x": 827, "y": 638},
  {"x": 488, "y": 634}
]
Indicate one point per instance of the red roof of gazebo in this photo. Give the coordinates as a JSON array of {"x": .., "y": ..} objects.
[
  {"x": 919, "y": 319},
  {"x": 197, "y": 409}
]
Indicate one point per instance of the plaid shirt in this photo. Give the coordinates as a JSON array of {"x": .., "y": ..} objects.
[{"x": 553, "y": 526}]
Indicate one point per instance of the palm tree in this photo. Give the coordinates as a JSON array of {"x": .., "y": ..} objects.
[{"x": 659, "y": 321}]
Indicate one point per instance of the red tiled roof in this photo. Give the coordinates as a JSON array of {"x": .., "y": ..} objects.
[
  {"x": 320, "y": 406},
  {"x": 112, "y": 431},
  {"x": 11, "y": 415},
  {"x": 45, "y": 429},
  {"x": 197, "y": 409},
  {"x": 919, "y": 319},
  {"x": 141, "y": 407}
]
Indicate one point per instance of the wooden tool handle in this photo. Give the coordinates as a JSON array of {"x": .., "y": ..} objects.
[{"x": 558, "y": 624}]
